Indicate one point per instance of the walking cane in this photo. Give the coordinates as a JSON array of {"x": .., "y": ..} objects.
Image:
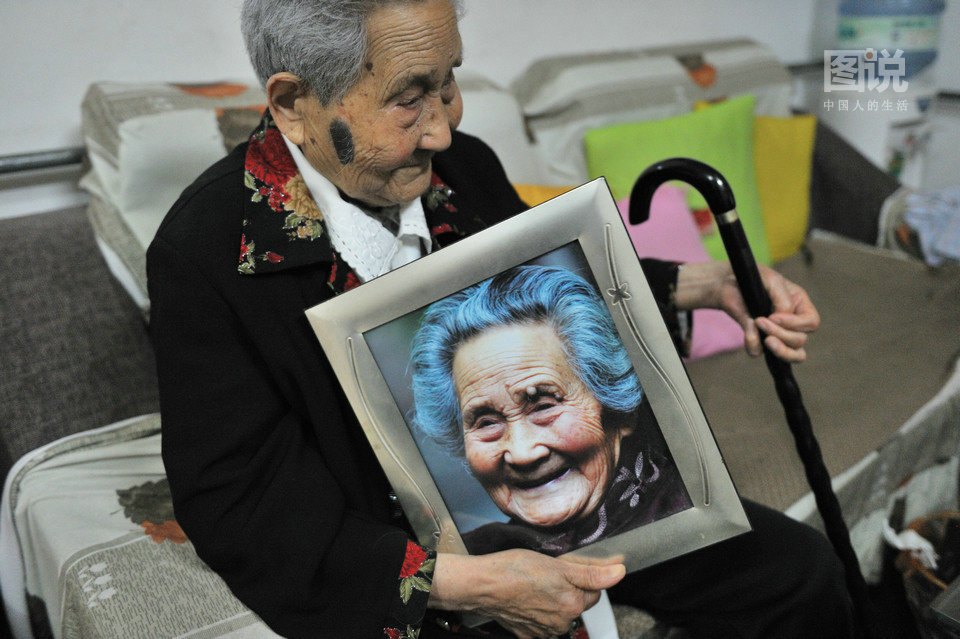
[{"x": 719, "y": 196}]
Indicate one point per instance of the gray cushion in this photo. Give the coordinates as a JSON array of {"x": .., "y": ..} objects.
[
  {"x": 846, "y": 189},
  {"x": 75, "y": 353}
]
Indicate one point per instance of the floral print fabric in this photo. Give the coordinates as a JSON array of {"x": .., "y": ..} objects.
[
  {"x": 413, "y": 589},
  {"x": 150, "y": 506},
  {"x": 283, "y": 227},
  {"x": 272, "y": 176}
]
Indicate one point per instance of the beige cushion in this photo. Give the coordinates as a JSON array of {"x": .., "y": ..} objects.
[
  {"x": 146, "y": 143},
  {"x": 565, "y": 96}
]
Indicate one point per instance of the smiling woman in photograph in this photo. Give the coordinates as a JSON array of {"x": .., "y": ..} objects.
[{"x": 525, "y": 377}]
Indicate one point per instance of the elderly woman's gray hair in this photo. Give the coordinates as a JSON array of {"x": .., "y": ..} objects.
[{"x": 322, "y": 42}]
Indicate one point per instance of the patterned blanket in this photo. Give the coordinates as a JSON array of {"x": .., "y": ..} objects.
[{"x": 89, "y": 546}]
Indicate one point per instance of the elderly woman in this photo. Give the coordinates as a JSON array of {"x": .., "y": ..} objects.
[
  {"x": 525, "y": 377},
  {"x": 355, "y": 170}
]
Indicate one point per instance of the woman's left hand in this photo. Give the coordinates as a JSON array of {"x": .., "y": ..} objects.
[{"x": 794, "y": 317}]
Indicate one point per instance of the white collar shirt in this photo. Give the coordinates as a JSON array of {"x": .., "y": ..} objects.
[{"x": 360, "y": 239}]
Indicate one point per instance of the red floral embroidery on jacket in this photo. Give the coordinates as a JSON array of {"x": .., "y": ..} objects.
[
  {"x": 415, "y": 578},
  {"x": 248, "y": 257},
  {"x": 276, "y": 186},
  {"x": 413, "y": 560},
  {"x": 417, "y": 571},
  {"x": 439, "y": 195},
  {"x": 269, "y": 161},
  {"x": 441, "y": 228},
  {"x": 352, "y": 281}
]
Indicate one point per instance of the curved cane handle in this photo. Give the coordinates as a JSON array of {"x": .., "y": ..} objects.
[{"x": 719, "y": 196}]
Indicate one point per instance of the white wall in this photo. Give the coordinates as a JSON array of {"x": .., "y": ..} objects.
[
  {"x": 505, "y": 35},
  {"x": 51, "y": 50}
]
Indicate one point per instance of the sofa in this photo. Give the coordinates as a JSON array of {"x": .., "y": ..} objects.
[{"x": 89, "y": 545}]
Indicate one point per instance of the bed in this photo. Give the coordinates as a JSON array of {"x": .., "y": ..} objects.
[{"x": 88, "y": 542}]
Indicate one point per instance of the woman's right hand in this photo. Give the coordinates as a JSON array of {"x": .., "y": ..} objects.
[{"x": 528, "y": 593}]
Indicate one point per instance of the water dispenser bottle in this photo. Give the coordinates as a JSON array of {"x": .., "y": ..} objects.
[{"x": 910, "y": 25}]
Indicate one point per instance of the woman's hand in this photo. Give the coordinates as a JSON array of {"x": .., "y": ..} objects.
[
  {"x": 713, "y": 285},
  {"x": 529, "y": 594}
]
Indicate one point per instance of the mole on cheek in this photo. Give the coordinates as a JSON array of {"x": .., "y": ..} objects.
[{"x": 342, "y": 139}]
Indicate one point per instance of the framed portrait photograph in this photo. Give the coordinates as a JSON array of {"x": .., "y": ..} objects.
[{"x": 521, "y": 390}]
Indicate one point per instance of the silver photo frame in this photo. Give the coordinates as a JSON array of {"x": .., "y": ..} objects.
[{"x": 366, "y": 334}]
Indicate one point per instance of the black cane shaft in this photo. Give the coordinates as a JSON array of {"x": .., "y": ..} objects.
[
  {"x": 714, "y": 187},
  {"x": 818, "y": 478},
  {"x": 758, "y": 303},
  {"x": 744, "y": 266}
]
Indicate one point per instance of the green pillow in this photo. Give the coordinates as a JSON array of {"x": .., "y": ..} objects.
[{"x": 721, "y": 136}]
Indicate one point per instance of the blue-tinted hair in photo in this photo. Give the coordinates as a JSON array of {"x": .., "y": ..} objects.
[{"x": 554, "y": 296}]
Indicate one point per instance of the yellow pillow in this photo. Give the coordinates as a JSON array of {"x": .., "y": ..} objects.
[
  {"x": 783, "y": 157},
  {"x": 534, "y": 194},
  {"x": 783, "y": 154}
]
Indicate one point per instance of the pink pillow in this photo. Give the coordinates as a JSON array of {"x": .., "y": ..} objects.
[{"x": 671, "y": 234}]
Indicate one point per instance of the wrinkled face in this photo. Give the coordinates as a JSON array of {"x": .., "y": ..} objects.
[
  {"x": 532, "y": 431},
  {"x": 376, "y": 143}
]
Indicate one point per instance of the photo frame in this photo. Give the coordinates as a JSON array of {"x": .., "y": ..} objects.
[{"x": 560, "y": 452}]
